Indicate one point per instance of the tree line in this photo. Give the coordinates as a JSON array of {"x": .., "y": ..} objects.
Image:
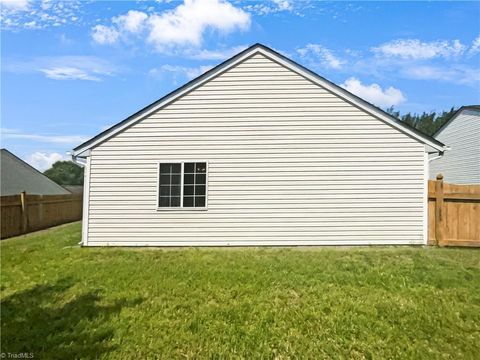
[{"x": 427, "y": 123}]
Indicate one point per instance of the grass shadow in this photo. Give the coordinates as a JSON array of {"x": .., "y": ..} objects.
[{"x": 39, "y": 321}]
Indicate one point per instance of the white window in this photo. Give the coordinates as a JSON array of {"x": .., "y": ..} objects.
[{"x": 182, "y": 185}]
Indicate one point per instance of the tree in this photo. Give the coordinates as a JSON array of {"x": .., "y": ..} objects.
[
  {"x": 65, "y": 173},
  {"x": 427, "y": 123}
]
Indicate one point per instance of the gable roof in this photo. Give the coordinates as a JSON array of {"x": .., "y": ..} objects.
[
  {"x": 458, "y": 112},
  {"x": 17, "y": 176},
  {"x": 280, "y": 59}
]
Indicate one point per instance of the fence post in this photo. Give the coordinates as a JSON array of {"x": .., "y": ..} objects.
[
  {"x": 23, "y": 200},
  {"x": 439, "y": 215}
]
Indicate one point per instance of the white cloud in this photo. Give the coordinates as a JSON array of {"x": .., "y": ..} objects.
[
  {"x": 374, "y": 93},
  {"x": 458, "y": 74},
  {"x": 416, "y": 49},
  {"x": 183, "y": 71},
  {"x": 102, "y": 34},
  {"x": 68, "y": 73},
  {"x": 35, "y": 14},
  {"x": 19, "y": 5},
  {"x": 89, "y": 68},
  {"x": 271, "y": 7},
  {"x": 319, "y": 55},
  {"x": 475, "y": 48},
  {"x": 179, "y": 28},
  {"x": 52, "y": 139},
  {"x": 186, "y": 24},
  {"x": 133, "y": 21},
  {"x": 443, "y": 60},
  {"x": 43, "y": 161},
  {"x": 283, "y": 5}
]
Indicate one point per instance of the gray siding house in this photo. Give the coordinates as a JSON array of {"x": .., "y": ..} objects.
[
  {"x": 257, "y": 151},
  {"x": 17, "y": 176},
  {"x": 461, "y": 164}
]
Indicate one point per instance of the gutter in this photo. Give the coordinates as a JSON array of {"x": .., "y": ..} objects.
[
  {"x": 440, "y": 154},
  {"x": 77, "y": 160}
]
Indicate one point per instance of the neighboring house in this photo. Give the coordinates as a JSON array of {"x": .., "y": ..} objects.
[
  {"x": 17, "y": 176},
  {"x": 461, "y": 164},
  {"x": 257, "y": 151}
]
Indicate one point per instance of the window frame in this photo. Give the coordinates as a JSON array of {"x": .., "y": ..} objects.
[{"x": 182, "y": 165}]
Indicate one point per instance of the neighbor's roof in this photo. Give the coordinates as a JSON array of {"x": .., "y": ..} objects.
[
  {"x": 458, "y": 112},
  {"x": 280, "y": 59},
  {"x": 17, "y": 176}
]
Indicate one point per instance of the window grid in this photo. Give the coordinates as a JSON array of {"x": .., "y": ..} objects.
[
  {"x": 196, "y": 196},
  {"x": 170, "y": 180},
  {"x": 191, "y": 176}
]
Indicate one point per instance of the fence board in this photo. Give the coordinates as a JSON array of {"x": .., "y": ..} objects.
[
  {"x": 453, "y": 214},
  {"x": 39, "y": 212}
]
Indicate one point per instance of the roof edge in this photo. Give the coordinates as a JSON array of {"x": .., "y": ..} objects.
[
  {"x": 294, "y": 66},
  {"x": 458, "y": 112},
  {"x": 27, "y": 165},
  {"x": 168, "y": 95}
]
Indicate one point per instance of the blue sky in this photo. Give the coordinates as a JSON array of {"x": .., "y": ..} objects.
[{"x": 70, "y": 69}]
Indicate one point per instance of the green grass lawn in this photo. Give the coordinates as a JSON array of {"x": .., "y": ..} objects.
[{"x": 62, "y": 301}]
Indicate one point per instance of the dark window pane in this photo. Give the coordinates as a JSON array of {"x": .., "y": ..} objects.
[
  {"x": 175, "y": 201},
  {"x": 176, "y": 168},
  {"x": 176, "y": 179},
  {"x": 164, "y": 201},
  {"x": 201, "y": 167},
  {"x": 188, "y": 190},
  {"x": 199, "y": 201},
  {"x": 200, "y": 179},
  {"x": 175, "y": 191},
  {"x": 165, "y": 168},
  {"x": 188, "y": 167},
  {"x": 165, "y": 190},
  {"x": 200, "y": 190},
  {"x": 187, "y": 201},
  {"x": 164, "y": 179},
  {"x": 188, "y": 179}
]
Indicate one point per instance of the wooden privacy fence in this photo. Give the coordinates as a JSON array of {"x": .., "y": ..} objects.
[
  {"x": 23, "y": 213},
  {"x": 453, "y": 214}
]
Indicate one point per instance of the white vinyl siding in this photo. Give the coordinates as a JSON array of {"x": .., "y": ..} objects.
[
  {"x": 289, "y": 163},
  {"x": 461, "y": 164}
]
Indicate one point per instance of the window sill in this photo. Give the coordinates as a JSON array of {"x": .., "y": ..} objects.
[{"x": 182, "y": 209}]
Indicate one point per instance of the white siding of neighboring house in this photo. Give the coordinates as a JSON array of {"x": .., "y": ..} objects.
[
  {"x": 460, "y": 165},
  {"x": 289, "y": 164}
]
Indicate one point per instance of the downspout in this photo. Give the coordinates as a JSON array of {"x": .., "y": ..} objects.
[
  {"x": 76, "y": 160},
  {"x": 86, "y": 192}
]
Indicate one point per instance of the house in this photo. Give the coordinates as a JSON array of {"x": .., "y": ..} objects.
[
  {"x": 17, "y": 176},
  {"x": 257, "y": 151},
  {"x": 461, "y": 164}
]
